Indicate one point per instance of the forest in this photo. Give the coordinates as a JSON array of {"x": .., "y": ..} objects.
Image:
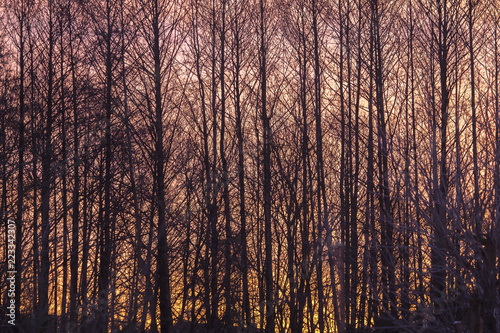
[{"x": 250, "y": 166}]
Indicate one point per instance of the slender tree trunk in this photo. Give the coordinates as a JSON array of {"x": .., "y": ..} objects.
[
  {"x": 405, "y": 230},
  {"x": 344, "y": 279},
  {"x": 148, "y": 292},
  {"x": 320, "y": 189},
  {"x": 355, "y": 190},
  {"x": 476, "y": 213},
  {"x": 388, "y": 278},
  {"x": 166, "y": 321},
  {"x": 55, "y": 274},
  {"x": 497, "y": 164},
  {"x": 349, "y": 195},
  {"x": 105, "y": 225},
  {"x": 213, "y": 185},
  {"x": 21, "y": 166},
  {"x": 138, "y": 243},
  {"x": 198, "y": 248},
  {"x": 419, "y": 280},
  {"x": 290, "y": 240},
  {"x": 266, "y": 127},
  {"x": 76, "y": 186},
  {"x": 43, "y": 292},
  {"x": 304, "y": 206},
  {"x": 371, "y": 237},
  {"x": 459, "y": 211},
  {"x": 82, "y": 297},
  {"x": 438, "y": 255},
  {"x": 151, "y": 291},
  {"x": 241, "y": 174},
  {"x": 64, "y": 173},
  {"x": 228, "y": 316},
  {"x": 35, "y": 153},
  {"x": 187, "y": 246}
]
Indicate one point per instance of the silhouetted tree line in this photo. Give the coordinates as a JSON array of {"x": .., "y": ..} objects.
[{"x": 244, "y": 166}]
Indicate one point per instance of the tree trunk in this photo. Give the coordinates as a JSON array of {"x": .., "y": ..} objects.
[
  {"x": 21, "y": 166},
  {"x": 64, "y": 177},
  {"x": 228, "y": 316},
  {"x": 43, "y": 287},
  {"x": 266, "y": 127},
  {"x": 241, "y": 174},
  {"x": 166, "y": 321},
  {"x": 76, "y": 186},
  {"x": 105, "y": 223}
]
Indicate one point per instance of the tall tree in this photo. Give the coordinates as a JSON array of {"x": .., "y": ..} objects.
[
  {"x": 320, "y": 172},
  {"x": 266, "y": 168},
  {"x": 237, "y": 32},
  {"x": 47, "y": 179},
  {"x": 443, "y": 28},
  {"x": 106, "y": 245},
  {"x": 22, "y": 18},
  {"x": 76, "y": 170}
]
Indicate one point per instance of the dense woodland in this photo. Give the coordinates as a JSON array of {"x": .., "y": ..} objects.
[{"x": 244, "y": 165}]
